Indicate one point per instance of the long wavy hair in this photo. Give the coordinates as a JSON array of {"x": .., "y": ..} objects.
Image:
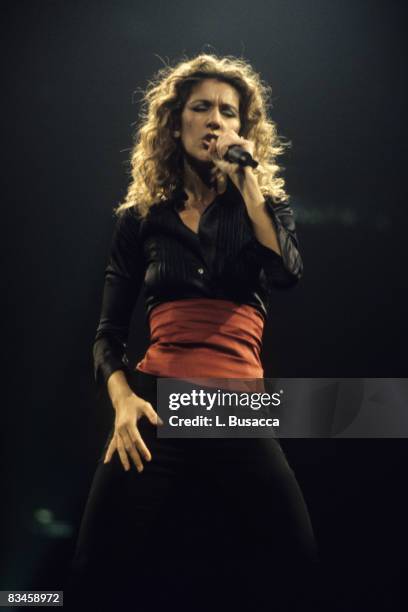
[{"x": 157, "y": 158}]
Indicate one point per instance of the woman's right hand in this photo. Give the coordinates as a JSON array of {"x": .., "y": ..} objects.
[{"x": 126, "y": 439}]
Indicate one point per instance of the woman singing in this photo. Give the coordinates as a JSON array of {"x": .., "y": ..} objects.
[{"x": 209, "y": 241}]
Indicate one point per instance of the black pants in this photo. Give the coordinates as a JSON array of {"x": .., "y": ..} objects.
[{"x": 209, "y": 524}]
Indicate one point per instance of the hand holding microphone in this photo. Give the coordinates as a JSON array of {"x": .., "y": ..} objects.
[
  {"x": 233, "y": 149},
  {"x": 236, "y": 154}
]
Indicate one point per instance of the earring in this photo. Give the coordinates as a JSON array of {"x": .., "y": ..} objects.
[{"x": 176, "y": 134}]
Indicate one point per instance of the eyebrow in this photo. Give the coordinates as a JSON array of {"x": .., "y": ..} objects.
[{"x": 209, "y": 102}]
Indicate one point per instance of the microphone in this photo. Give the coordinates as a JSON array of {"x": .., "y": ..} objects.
[{"x": 237, "y": 155}]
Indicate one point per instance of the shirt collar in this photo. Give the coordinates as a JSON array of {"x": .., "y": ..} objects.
[{"x": 179, "y": 195}]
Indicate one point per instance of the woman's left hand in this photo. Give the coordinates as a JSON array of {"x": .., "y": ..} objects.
[{"x": 217, "y": 149}]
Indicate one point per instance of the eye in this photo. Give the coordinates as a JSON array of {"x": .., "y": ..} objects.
[{"x": 229, "y": 112}]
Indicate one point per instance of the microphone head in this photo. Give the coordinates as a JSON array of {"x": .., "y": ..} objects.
[{"x": 237, "y": 155}]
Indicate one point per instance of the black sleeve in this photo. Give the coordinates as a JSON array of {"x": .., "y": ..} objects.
[
  {"x": 286, "y": 269},
  {"x": 124, "y": 275}
]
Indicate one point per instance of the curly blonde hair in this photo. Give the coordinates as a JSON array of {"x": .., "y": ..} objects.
[{"x": 156, "y": 158}]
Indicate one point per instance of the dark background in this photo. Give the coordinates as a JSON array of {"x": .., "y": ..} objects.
[{"x": 338, "y": 74}]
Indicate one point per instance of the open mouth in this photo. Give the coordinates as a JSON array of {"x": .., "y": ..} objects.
[{"x": 207, "y": 139}]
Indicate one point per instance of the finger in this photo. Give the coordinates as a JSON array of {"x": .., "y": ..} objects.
[
  {"x": 130, "y": 449},
  {"x": 136, "y": 459},
  {"x": 151, "y": 414},
  {"x": 139, "y": 444},
  {"x": 110, "y": 451},
  {"x": 130, "y": 442},
  {"x": 217, "y": 161},
  {"x": 212, "y": 149},
  {"x": 222, "y": 149},
  {"x": 133, "y": 443},
  {"x": 229, "y": 139},
  {"x": 225, "y": 166},
  {"x": 122, "y": 454},
  {"x": 125, "y": 437}
]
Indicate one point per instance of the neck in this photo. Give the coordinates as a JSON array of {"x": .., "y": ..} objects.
[{"x": 199, "y": 183}]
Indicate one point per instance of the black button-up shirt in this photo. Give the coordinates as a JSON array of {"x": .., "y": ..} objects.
[{"x": 160, "y": 254}]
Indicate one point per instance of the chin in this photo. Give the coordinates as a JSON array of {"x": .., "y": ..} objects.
[{"x": 201, "y": 158}]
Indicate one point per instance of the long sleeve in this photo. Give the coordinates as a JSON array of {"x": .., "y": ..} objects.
[
  {"x": 124, "y": 275},
  {"x": 285, "y": 270}
]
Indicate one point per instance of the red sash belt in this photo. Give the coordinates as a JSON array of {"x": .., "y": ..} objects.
[{"x": 204, "y": 338}]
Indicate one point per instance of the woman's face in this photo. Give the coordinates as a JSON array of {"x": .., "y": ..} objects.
[{"x": 211, "y": 109}]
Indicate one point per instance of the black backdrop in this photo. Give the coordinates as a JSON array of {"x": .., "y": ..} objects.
[{"x": 337, "y": 70}]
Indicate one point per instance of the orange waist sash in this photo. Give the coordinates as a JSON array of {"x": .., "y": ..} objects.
[{"x": 204, "y": 338}]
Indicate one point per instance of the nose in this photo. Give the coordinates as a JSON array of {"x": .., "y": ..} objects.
[{"x": 214, "y": 121}]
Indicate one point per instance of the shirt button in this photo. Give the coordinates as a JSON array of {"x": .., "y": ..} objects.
[{"x": 200, "y": 270}]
